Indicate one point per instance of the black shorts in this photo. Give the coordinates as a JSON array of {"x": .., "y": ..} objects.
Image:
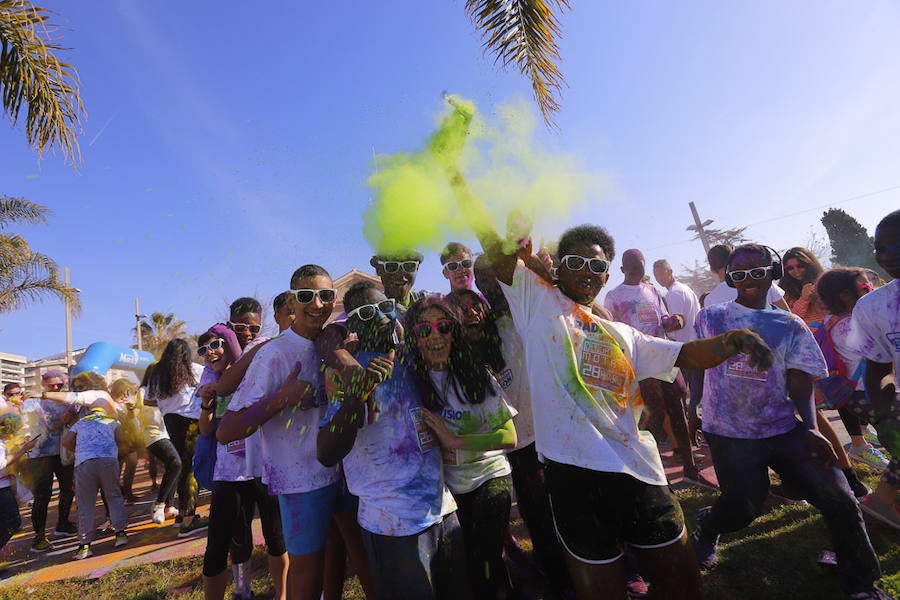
[{"x": 596, "y": 512}]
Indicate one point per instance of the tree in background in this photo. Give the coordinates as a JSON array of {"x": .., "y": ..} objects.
[
  {"x": 851, "y": 245},
  {"x": 31, "y": 74},
  {"x": 159, "y": 329},
  {"x": 698, "y": 277},
  {"x": 523, "y": 33},
  {"x": 25, "y": 275}
]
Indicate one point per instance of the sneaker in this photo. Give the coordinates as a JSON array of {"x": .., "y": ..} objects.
[
  {"x": 105, "y": 529},
  {"x": 693, "y": 476},
  {"x": 172, "y": 512},
  {"x": 65, "y": 529},
  {"x": 39, "y": 546},
  {"x": 858, "y": 488},
  {"x": 198, "y": 523},
  {"x": 868, "y": 455},
  {"x": 84, "y": 551},
  {"x": 636, "y": 586},
  {"x": 121, "y": 539},
  {"x": 705, "y": 540},
  {"x": 158, "y": 513},
  {"x": 884, "y": 512}
]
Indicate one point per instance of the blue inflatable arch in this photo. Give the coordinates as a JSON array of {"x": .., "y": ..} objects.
[{"x": 100, "y": 357}]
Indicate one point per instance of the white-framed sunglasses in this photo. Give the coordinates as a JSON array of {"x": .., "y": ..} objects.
[
  {"x": 456, "y": 264},
  {"x": 392, "y": 266},
  {"x": 305, "y": 296},
  {"x": 367, "y": 312},
  {"x": 213, "y": 345},
  {"x": 755, "y": 273},
  {"x": 573, "y": 262}
]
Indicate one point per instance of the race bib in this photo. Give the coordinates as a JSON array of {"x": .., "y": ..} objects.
[
  {"x": 602, "y": 365},
  {"x": 426, "y": 437},
  {"x": 739, "y": 366}
]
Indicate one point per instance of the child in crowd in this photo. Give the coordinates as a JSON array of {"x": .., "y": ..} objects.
[
  {"x": 95, "y": 439},
  {"x": 10, "y": 520}
]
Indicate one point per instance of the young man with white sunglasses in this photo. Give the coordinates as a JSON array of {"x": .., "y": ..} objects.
[
  {"x": 282, "y": 395},
  {"x": 398, "y": 274},
  {"x": 457, "y": 264}
]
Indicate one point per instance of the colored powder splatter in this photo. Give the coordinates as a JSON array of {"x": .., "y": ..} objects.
[{"x": 414, "y": 205}]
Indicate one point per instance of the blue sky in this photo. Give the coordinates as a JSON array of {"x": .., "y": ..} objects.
[{"x": 225, "y": 145}]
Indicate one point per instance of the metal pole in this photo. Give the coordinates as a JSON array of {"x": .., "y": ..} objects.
[
  {"x": 698, "y": 227},
  {"x": 68, "y": 328},
  {"x": 137, "y": 318}
]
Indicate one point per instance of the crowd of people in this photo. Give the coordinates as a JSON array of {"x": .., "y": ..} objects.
[{"x": 397, "y": 433}]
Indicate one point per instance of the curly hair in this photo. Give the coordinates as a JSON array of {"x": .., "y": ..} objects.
[
  {"x": 586, "y": 234},
  {"x": 173, "y": 372},
  {"x": 468, "y": 376},
  {"x": 489, "y": 347},
  {"x": 833, "y": 282}
]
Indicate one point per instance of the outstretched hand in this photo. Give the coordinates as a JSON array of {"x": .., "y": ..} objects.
[{"x": 750, "y": 343}]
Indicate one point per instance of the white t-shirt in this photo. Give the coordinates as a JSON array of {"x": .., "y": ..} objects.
[
  {"x": 740, "y": 401},
  {"x": 514, "y": 381},
  {"x": 394, "y": 466},
  {"x": 681, "y": 300},
  {"x": 724, "y": 293},
  {"x": 584, "y": 384},
  {"x": 875, "y": 326},
  {"x": 639, "y": 305},
  {"x": 288, "y": 438},
  {"x": 840, "y": 332},
  {"x": 466, "y": 470}
]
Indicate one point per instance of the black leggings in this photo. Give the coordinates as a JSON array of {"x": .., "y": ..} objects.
[
  {"x": 483, "y": 516},
  {"x": 183, "y": 433},
  {"x": 164, "y": 451},
  {"x": 230, "y": 516}
]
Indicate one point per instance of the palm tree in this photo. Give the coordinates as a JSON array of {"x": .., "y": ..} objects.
[
  {"x": 26, "y": 275},
  {"x": 31, "y": 74},
  {"x": 158, "y": 330},
  {"x": 523, "y": 33}
]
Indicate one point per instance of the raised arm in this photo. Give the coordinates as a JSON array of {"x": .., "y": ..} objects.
[{"x": 709, "y": 352}]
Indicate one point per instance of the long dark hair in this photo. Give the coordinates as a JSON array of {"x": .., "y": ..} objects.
[
  {"x": 468, "y": 376},
  {"x": 489, "y": 348},
  {"x": 173, "y": 372},
  {"x": 794, "y": 287},
  {"x": 836, "y": 281}
]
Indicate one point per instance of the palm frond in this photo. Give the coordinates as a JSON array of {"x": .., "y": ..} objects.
[
  {"x": 523, "y": 33},
  {"x": 26, "y": 280},
  {"x": 31, "y": 74},
  {"x": 20, "y": 210}
]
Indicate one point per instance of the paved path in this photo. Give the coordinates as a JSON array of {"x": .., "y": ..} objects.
[{"x": 148, "y": 542}]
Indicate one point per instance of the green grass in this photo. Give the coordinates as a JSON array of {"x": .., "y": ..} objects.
[{"x": 774, "y": 558}]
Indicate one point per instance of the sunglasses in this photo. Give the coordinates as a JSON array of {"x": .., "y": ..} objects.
[
  {"x": 242, "y": 327},
  {"x": 55, "y": 386},
  {"x": 455, "y": 264},
  {"x": 423, "y": 329},
  {"x": 573, "y": 262},
  {"x": 305, "y": 296},
  {"x": 214, "y": 345},
  {"x": 757, "y": 273},
  {"x": 790, "y": 268},
  {"x": 865, "y": 288},
  {"x": 393, "y": 266},
  {"x": 367, "y": 312}
]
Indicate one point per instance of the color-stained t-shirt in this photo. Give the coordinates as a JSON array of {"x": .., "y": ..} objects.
[
  {"x": 740, "y": 401},
  {"x": 44, "y": 417},
  {"x": 394, "y": 466},
  {"x": 466, "y": 470},
  {"x": 288, "y": 438},
  {"x": 95, "y": 436},
  {"x": 875, "y": 326},
  {"x": 640, "y": 306},
  {"x": 514, "y": 381},
  {"x": 584, "y": 373},
  {"x": 840, "y": 333}
]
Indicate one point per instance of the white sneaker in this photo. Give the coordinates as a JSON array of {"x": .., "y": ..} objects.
[
  {"x": 159, "y": 513},
  {"x": 868, "y": 455},
  {"x": 171, "y": 512}
]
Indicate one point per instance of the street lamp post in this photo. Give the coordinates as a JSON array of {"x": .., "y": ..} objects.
[
  {"x": 137, "y": 317},
  {"x": 69, "y": 325}
]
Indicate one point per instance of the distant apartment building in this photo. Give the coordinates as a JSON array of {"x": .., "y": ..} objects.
[{"x": 12, "y": 369}]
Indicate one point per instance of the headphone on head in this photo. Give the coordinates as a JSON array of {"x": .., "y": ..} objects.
[{"x": 777, "y": 268}]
